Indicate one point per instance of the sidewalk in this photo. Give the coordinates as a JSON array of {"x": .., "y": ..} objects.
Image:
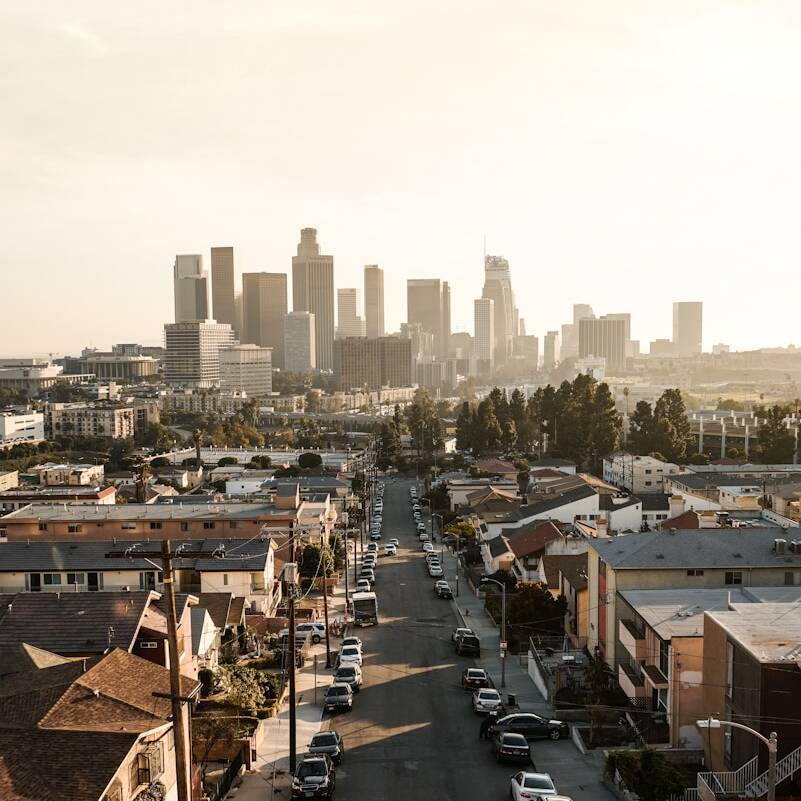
[
  {"x": 471, "y": 613},
  {"x": 269, "y": 777}
]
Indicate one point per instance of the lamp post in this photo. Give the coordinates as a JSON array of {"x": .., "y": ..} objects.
[
  {"x": 771, "y": 742},
  {"x": 486, "y": 580}
]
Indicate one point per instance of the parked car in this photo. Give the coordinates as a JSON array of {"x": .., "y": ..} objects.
[
  {"x": 372, "y": 547},
  {"x": 487, "y": 699},
  {"x": 349, "y": 674},
  {"x": 474, "y": 678},
  {"x": 375, "y": 535},
  {"x": 338, "y": 698},
  {"x": 329, "y": 743},
  {"x": 508, "y": 747},
  {"x": 363, "y": 585},
  {"x": 369, "y": 560},
  {"x": 531, "y": 785},
  {"x": 350, "y": 654},
  {"x": 434, "y": 570},
  {"x": 351, "y": 641},
  {"x": 531, "y": 726},
  {"x": 428, "y": 547},
  {"x": 459, "y": 632},
  {"x": 367, "y": 573},
  {"x": 315, "y": 777},
  {"x": 445, "y": 593},
  {"x": 390, "y": 550},
  {"x": 468, "y": 645},
  {"x": 422, "y": 536},
  {"x": 317, "y": 629},
  {"x": 394, "y": 541}
]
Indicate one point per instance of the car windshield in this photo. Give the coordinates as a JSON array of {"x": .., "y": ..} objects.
[
  {"x": 314, "y": 767},
  {"x": 337, "y": 690},
  {"x": 320, "y": 740},
  {"x": 537, "y": 783},
  {"x": 487, "y": 695}
]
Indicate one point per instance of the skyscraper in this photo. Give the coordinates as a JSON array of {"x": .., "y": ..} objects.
[
  {"x": 190, "y": 288},
  {"x": 349, "y": 323},
  {"x": 374, "y": 300},
  {"x": 604, "y": 337},
  {"x": 372, "y": 363},
  {"x": 550, "y": 350},
  {"x": 484, "y": 341},
  {"x": 428, "y": 302},
  {"x": 222, "y": 286},
  {"x": 498, "y": 287},
  {"x": 688, "y": 319},
  {"x": 299, "y": 342},
  {"x": 264, "y": 306},
  {"x": 313, "y": 291},
  {"x": 192, "y": 352},
  {"x": 569, "y": 345},
  {"x": 582, "y": 311}
]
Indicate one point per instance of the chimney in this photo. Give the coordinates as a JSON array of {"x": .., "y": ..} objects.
[
  {"x": 602, "y": 527},
  {"x": 708, "y": 519},
  {"x": 677, "y": 506}
]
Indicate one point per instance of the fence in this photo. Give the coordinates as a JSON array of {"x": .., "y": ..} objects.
[{"x": 218, "y": 790}]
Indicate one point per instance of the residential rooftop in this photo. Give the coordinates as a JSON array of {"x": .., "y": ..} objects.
[
  {"x": 150, "y": 511},
  {"x": 771, "y": 632}
]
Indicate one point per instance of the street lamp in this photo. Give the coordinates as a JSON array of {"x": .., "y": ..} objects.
[
  {"x": 771, "y": 742},
  {"x": 486, "y": 580}
]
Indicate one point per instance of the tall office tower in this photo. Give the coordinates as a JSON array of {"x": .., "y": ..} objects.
[
  {"x": 462, "y": 344},
  {"x": 238, "y": 313},
  {"x": 530, "y": 351},
  {"x": 428, "y": 302},
  {"x": 374, "y": 300},
  {"x": 300, "y": 342},
  {"x": 582, "y": 311},
  {"x": 222, "y": 286},
  {"x": 604, "y": 337},
  {"x": 190, "y": 288},
  {"x": 349, "y": 323},
  {"x": 246, "y": 368},
  {"x": 688, "y": 319},
  {"x": 372, "y": 363},
  {"x": 192, "y": 352},
  {"x": 445, "y": 344},
  {"x": 569, "y": 346},
  {"x": 485, "y": 342},
  {"x": 313, "y": 291},
  {"x": 498, "y": 287},
  {"x": 550, "y": 350},
  {"x": 264, "y": 306}
]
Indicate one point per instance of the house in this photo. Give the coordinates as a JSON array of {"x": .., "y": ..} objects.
[
  {"x": 661, "y": 663},
  {"x": 227, "y": 614},
  {"x": 716, "y": 491},
  {"x": 90, "y": 729},
  {"x": 678, "y": 560},
  {"x": 50, "y": 474},
  {"x": 21, "y": 657},
  {"x": 528, "y": 546},
  {"x": 572, "y": 586},
  {"x": 205, "y": 639},
  {"x": 655, "y": 509},
  {"x": 78, "y": 625},
  {"x": 247, "y": 571},
  {"x": 622, "y": 512},
  {"x": 751, "y": 674},
  {"x": 554, "y": 462},
  {"x": 459, "y": 489},
  {"x": 496, "y": 555},
  {"x": 639, "y": 475},
  {"x": 497, "y": 467}
]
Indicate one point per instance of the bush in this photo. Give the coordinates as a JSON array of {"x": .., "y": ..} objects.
[
  {"x": 309, "y": 461},
  {"x": 207, "y": 681},
  {"x": 647, "y": 773},
  {"x": 226, "y": 460}
]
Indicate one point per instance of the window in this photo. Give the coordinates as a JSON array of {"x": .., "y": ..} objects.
[
  {"x": 664, "y": 657},
  {"x": 74, "y": 528},
  {"x": 792, "y": 578},
  {"x": 148, "y": 644},
  {"x": 225, "y": 579},
  {"x": 233, "y": 524},
  {"x": 128, "y": 526},
  {"x": 695, "y": 572},
  {"x": 208, "y": 524},
  {"x": 729, "y": 668},
  {"x": 76, "y": 578},
  {"x": 647, "y": 472},
  {"x": 51, "y": 578},
  {"x": 184, "y": 526},
  {"x": 155, "y": 525},
  {"x": 734, "y": 577},
  {"x": 42, "y": 526}
]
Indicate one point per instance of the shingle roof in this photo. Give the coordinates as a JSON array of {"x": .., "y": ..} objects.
[
  {"x": 74, "y": 623},
  {"x": 236, "y": 611},
  {"x": 60, "y": 765},
  {"x": 21, "y": 657},
  {"x": 553, "y": 461},
  {"x": 546, "y": 505},
  {"x": 736, "y": 548},
  {"x": 217, "y": 605},
  {"x": 606, "y": 502},
  {"x": 533, "y": 538},
  {"x": 498, "y": 546},
  {"x": 491, "y": 465},
  {"x": 573, "y": 568},
  {"x": 655, "y": 502},
  {"x": 688, "y": 519}
]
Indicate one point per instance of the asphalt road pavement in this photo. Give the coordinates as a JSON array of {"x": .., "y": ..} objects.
[{"x": 412, "y": 733}]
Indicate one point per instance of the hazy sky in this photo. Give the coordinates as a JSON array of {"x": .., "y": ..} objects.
[{"x": 625, "y": 154}]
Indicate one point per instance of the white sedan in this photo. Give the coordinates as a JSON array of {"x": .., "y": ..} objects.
[
  {"x": 459, "y": 632},
  {"x": 435, "y": 571},
  {"x": 531, "y": 785},
  {"x": 487, "y": 700},
  {"x": 350, "y": 654},
  {"x": 390, "y": 550}
]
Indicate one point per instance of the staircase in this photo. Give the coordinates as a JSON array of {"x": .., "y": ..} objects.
[{"x": 785, "y": 768}]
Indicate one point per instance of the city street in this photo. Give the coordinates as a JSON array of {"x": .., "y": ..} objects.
[{"x": 412, "y": 732}]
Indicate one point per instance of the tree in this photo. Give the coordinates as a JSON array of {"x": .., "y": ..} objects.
[
  {"x": 487, "y": 431},
  {"x": 508, "y": 435},
  {"x": 464, "y": 427},
  {"x": 641, "y": 428},
  {"x": 309, "y": 461},
  {"x": 606, "y": 425},
  {"x": 673, "y": 434},
  {"x": 211, "y": 731},
  {"x": 312, "y": 402},
  {"x": 533, "y": 610},
  {"x": 226, "y": 460},
  {"x": 244, "y": 688},
  {"x": 647, "y": 773},
  {"x": 776, "y": 444}
]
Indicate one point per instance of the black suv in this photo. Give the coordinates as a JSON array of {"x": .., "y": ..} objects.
[
  {"x": 329, "y": 743},
  {"x": 314, "y": 778},
  {"x": 468, "y": 645}
]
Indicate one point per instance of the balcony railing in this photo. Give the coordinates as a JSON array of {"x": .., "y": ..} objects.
[
  {"x": 630, "y": 682},
  {"x": 632, "y": 639}
]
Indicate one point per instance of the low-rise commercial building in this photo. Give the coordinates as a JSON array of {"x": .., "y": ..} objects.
[
  {"x": 50, "y": 474},
  {"x": 13, "y": 499},
  {"x": 18, "y": 427}
]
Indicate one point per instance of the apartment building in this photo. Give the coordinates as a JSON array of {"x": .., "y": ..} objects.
[
  {"x": 372, "y": 363},
  {"x": 90, "y": 420},
  {"x": 638, "y": 474}
]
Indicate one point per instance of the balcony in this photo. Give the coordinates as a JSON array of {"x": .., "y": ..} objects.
[
  {"x": 630, "y": 682},
  {"x": 653, "y": 676},
  {"x": 632, "y": 639}
]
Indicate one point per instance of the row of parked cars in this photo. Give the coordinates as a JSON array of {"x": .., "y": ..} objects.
[
  {"x": 378, "y": 512},
  {"x": 417, "y": 514}
]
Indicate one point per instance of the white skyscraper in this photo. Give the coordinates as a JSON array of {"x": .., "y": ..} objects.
[
  {"x": 484, "y": 342},
  {"x": 190, "y": 289},
  {"x": 374, "y": 300},
  {"x": 498, "y": 287},
  {"x": 300, "y": 354},
  {"x": 192, "y": 352},
  {"x": 349, "y": 323}
]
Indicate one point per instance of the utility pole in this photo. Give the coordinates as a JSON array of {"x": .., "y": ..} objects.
[
  {"x": 292, "y": 582},
  {"x": 177, "y": 699},
  {"x": 324, "y": 566}
]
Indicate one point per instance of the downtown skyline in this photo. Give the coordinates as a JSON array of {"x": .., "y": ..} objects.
[{"x": 599, "y": 184}]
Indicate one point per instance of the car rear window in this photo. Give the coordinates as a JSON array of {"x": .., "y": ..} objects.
[
  {"x": 537, "y": 783},
  {"x": 514, "y": 739}
]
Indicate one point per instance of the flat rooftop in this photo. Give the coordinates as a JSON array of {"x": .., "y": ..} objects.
[
  {"x": 147, "y": 511},
  {"x": 680, "y": 613},
  {"x": 771, "y": 632}
]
